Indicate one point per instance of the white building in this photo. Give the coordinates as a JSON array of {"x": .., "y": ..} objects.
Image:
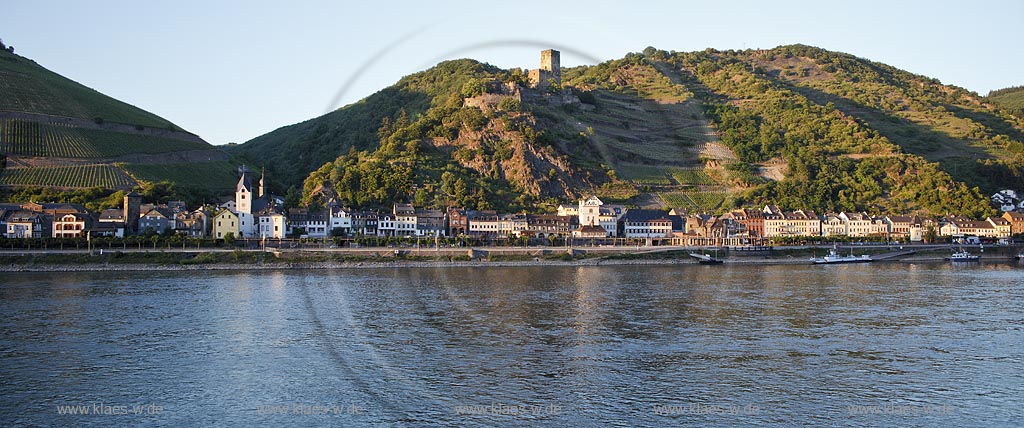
[
  {"x": 386, "y": 225},
  {"x": 594, "y": 212},
  {"x": 405, "y": 220},
  {"x": 646, "y": 224},
  {"x": 568, "y": 210},
  {"x": 832, "y": 225},
  {"x": 857, "y": 224},
  {"x": 341, "y": 219},
  {"x": 272, "y": 224}
]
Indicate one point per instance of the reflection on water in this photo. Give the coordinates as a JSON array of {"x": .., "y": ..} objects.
[{"x": 916, "y": 345}]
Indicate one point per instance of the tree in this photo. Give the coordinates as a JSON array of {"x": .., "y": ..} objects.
[
  {"x": 422, "y": 198},
  {"x": 385, "y": 130},
  {"x": 448, "y": 183},
  {"x": 459, "y": 191},
  {"x": 160, "y": 191},
  {"x": 553, "y": 87},
  {"x": 509, "y": 104},
  {"x": 930, "y": 235},
  {"x": 472, "y": 88}
]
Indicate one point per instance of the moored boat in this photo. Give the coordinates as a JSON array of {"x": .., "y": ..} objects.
[
  {"x": 834, "y": 257},
  {"x": 705, "y": 259},
  {"x": 962, "y": 256}
]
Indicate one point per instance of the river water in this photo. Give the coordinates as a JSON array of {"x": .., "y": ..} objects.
[{"x": 855, "y": 345}]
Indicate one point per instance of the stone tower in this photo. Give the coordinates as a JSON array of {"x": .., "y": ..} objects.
[
  {"x": 550, "y": 69},
  {"x": 550, "y": 61},
  {"x": 132, "y": 206}
]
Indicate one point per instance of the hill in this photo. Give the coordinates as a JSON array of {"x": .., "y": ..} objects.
[
  {"x": 799, "y": 126},
  {"x": 1010, "y": 99},
  {"x": 55, "y": 132}
]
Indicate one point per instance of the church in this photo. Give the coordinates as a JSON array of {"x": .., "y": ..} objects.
[{"x": 254, "y": 207}]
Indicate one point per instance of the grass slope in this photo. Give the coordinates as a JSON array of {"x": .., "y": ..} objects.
[
  {"x": 1011, "y": 99},
  {"x": 80, "y": 134},
  {"x": 28, "y": 87},
  {"x": 212, "y": 176}
]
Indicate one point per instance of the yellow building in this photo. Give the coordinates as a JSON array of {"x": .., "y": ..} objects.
[{"x": 224, "y": 223}]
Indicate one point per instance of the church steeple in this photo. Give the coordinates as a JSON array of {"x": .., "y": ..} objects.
[
  {"x": 244, "y": 180},
  {"x": 262, "y": 187},
  {"x": 243, "y": 193}
]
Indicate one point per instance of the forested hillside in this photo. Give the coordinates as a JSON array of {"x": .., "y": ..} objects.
[{"x": 797, "y": 126}]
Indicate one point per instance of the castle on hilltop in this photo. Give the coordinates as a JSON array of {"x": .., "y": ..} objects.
[{"x": 550, "y": 70}]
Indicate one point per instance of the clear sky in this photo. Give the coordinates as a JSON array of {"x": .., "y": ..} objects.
[{"x": 232, "y": 70}]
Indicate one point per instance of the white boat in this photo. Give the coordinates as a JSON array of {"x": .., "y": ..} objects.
[
  {"x": 705, "y": 259},
  {"x": 834, "y": 257},
  {"x": 962, "y": 256}
]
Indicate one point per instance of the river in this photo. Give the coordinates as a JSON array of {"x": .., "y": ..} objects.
[{"x": 851, "y": 345}]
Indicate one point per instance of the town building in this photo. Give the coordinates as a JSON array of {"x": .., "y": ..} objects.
[
  {"x": 405, "y": 220},
  {"x": 157, "y": 220},
  {"x": 780, "y": 223},
  {"x": 111, "y": 222},
  {"x": 306, "y": 222},
  {"x": 250, "y": 200},
  {"x": 1002, "y": 226},
  {"x": 458, "y": 222},
  {"x": 752, "y": 221},
  {"x": 364, "y": 223},
  {"x": 28, "y": 224},
  {"x": 905, "y": 228},
  {"x": 225, "y": 223},
  {"x": 594, "y": 212},
  {"x": 192, "y": 223},
  {"x": 832, "y": 225},
  {"x": 484, "y": 224},
  {"x": 70, "y": 225},
  {"x": 1016, "y": 219},
  {"x": 272, "y": 223},
  {"x": 548, "y": 225},
  {"x": 641, "y": 223},
  {"x": 960, "y": 226},
  {"x": 340, "y": 221},
  {"x": 431, "y": 223},
  {"x": 858, "y": 225}
]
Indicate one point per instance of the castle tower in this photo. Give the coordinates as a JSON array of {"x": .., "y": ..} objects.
[
  {"x": 132, "y": 206},
  {"x": 550, "y": 61},
  {"x": 550, "y": 69}
]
